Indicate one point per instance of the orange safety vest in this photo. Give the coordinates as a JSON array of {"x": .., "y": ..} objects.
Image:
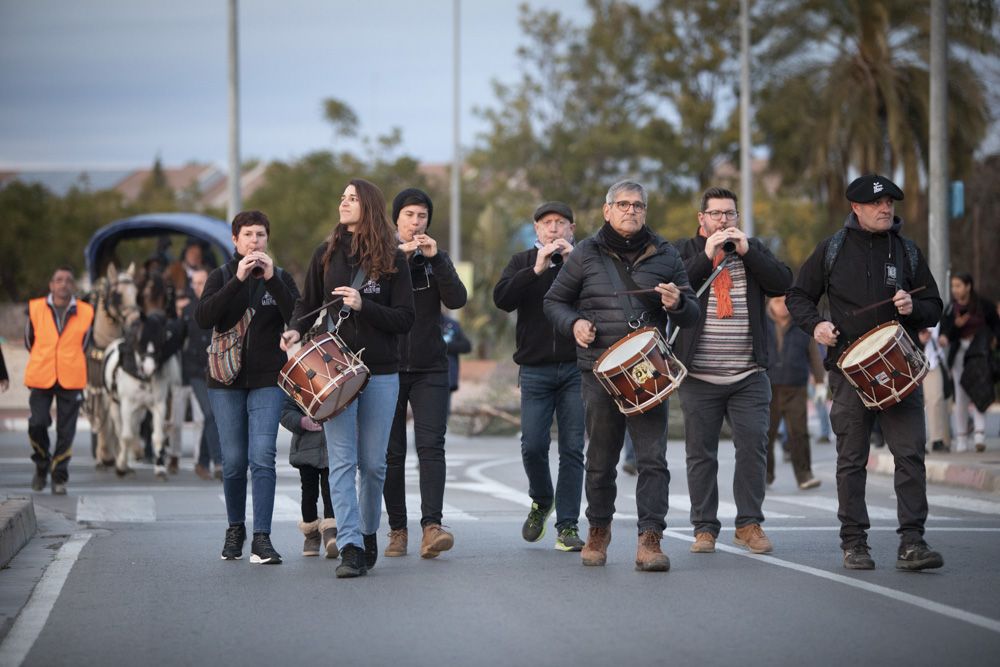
[{"x": 56, "y": 357}]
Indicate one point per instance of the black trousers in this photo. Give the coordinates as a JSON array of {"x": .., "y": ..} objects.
[
  {"x": 789, "y": 402},
  {"x": 67, "y": 410},
  {"x": 905, "y": 434},
  {"x": 429, "y": 395},
  {"x": 313, "y": 481},
  {"x": 606, "y": 427}
]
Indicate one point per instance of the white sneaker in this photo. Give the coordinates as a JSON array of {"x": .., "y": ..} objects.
[
  {"x": 979, "y": 439},
  {"x": 961, "y": 444}
]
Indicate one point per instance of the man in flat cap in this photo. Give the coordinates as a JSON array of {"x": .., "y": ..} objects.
[
  {"x": 549, "y": 379},
  {"x": 866, "y": 262}
]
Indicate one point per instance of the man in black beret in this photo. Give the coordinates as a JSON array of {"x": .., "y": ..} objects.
[
  {"x": 424, "y": 385},
  {"x": 866, "y": 262},
  {"x": 548, "y": 377}
]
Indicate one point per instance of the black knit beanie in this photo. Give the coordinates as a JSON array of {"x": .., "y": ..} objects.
[{"x": 412, "y": 196}]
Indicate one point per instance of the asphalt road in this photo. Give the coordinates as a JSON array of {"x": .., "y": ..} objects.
[{"x": 129, "y": 571}]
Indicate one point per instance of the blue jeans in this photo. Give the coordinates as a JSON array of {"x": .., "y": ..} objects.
[
  {"x": 247, "y": 420},
  {"x": 210, "y": 448},
  {"x": 547, "y": 390},
  {"x": 356, "y": 441}
]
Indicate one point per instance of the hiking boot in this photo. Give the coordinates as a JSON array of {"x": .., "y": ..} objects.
[
  {"x": 649, "y": 557},
  {"x": 436, "y": 539},
  {"x": 753, "y": 538},
  {"x": 313, "y": 538},
  {"x": 534, "y": 526},
  {"x": 233, "y": 547},
  {"x": 704, "y": 543},
  {"x": 569, "y": 539},
  {"x": 352, "y": 562},
  {"x": 595, "y": 551},
  {"x": 810, "y": 483},
  {"x": 174, "y": 465},
  {"x": 261, "y": 551},
  {"x": 58, "y": 488},
  {"x": 328, "y": 529},
  {"x": 202, "y": 472},
  {"x": 917, "y": 556},
  {"x": 371, "y": 550},
  {"x": 397, "y": 543},
  {"x": 858, "y": 558},
  {"x": 38, "y": 479}
]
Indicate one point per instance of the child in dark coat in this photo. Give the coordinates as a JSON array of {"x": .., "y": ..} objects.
[{"x": 308, "y": 454}]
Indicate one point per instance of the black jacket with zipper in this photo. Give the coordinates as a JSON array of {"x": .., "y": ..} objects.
[
  {"x": 422, "y": 349},
  {"x": 222, "y": 306},
  {"x": 386, "y": 306},
  {"x": 520, "y": 289}
]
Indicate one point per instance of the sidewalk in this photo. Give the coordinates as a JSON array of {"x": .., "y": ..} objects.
[{"x": 970, "y": 470}]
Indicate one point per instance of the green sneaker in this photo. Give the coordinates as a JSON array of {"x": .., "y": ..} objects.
[
  {"x": 534, "y": 526},
  {"x": 569, "y": 539}
]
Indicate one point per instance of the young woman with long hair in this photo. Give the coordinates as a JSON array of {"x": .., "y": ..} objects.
[{"x": 380, "y": 309}]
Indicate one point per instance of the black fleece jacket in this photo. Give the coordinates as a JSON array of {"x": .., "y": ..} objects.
[
  {"x": 766, "y": 276},
  {"x": 584, "y": 290},
  {"x": 221, "y": 307},
  {"x": 520, "y": 289},
  {"x": 422, "y": 349},
  {"x": 857, "y": 280},
  {"x": 386, "y": 306}
]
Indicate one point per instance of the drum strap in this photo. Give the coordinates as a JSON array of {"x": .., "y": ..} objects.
[
  {"x": 619, "y": 278},
  {"x": 345, "y": 310}
]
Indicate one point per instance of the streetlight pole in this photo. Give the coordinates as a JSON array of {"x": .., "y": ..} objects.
[
  {"x": 746, "y": 177},
  {"x": 937, "y": 189},
  {"x": 454, "y": 224},
  {"x": 234, "y": 113}
]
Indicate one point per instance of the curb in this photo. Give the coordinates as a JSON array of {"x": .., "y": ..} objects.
[
  {"x": 969, "y": 475},
  {"x": 17, "y": 526}
]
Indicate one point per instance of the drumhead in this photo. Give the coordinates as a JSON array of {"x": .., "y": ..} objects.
[
  {"x": 625, "y": 350},
  {"x": 869, "y": 345}
]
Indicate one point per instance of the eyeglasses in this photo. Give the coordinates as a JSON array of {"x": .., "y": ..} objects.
[
  {"x": 624, "y": 206},
  {"x": 717, "y": 215}
]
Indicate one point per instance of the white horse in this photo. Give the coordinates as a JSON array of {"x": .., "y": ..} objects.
[
  {"x": 115, "y": 306},
  {"x": 135, "y": 371}
]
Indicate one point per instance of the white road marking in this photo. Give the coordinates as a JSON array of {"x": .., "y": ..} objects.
[
  {"x": 35, "y": 614},
  {"x": 907, "y": 598},
  {"x": 131, "y": 508},
  {"x": 963, "y": 503},
  {"x": 680, "y": 501},
  {"x": 285, "y": 508},
  {"x": 831, "y": 505}
]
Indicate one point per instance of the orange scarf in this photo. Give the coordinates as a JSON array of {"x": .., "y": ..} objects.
[{"x": 723, "y": 283}]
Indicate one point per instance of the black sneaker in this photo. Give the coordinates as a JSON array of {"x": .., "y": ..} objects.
[
  {"x": 534, "y": 526},
  {"x": 569, "y": 539},
  {"x": 261, "y": 551},
  {"x": 38, "y": 479},
  {"x": 352, "y": 562},
  {"x": 858, "y": 558},
  {"x": 235, "y": 537},
  {"x": 917, "y": 556},
  {"x": 371, "y": 550}
]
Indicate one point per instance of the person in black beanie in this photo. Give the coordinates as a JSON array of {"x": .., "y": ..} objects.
[
  {"x": 548, "y": 377},
  {"x": 424, "y": 385}
]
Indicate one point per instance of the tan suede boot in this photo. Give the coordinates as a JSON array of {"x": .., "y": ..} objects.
[
  {"x": 753, "y": 538},
  {"x": 398, "y": 540},
  {"x": 648, "y": 557},
  {"x": 595, "y": 551},
  {"x": 311, "y": 530},
  {"x": 436, "y": 539},
  {"x": 328, "y": 527}
]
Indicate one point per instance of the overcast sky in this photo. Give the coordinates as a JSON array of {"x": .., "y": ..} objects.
[{"x": 113, "y": 83}]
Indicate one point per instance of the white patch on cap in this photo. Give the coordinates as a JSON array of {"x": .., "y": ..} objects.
[{"x": 876, "y": 187}]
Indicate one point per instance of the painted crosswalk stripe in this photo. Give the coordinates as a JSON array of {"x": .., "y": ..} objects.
[
  {"x": 119, "y": 508},
  {"x": 963, "y": 503},
  {"x": 285, "y": 508},
  {"x": 831, "y": 505},
  {"x": 450, "y": 513}
]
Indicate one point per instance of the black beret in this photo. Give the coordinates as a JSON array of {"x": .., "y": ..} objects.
[
  {"x": 411, "y": 196},
  {"x": 553, "y": 207},
  {"x": 868, "y": 188}
]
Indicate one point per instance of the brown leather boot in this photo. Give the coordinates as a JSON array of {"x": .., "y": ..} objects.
[
  {"x": 328, "y": 528},
  {"x": 397, "y": 543},
  {"x": 311, "y": 530},
  {"x": 753, "y": 538},
  {"x": 436, "y": 539},
  {"x": 595, "y": 551},
  {"x": 648, "y": 557},
  {"x": 704, "y": 543}
]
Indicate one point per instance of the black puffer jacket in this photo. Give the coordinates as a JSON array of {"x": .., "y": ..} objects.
[
  {"x": 583, "y": 290},
  {"x": 857, "y": 280},
  {"x": 222, "y": 306},
  {"x": 422, "y": 349},
  {"x": 766, "y": 275}
]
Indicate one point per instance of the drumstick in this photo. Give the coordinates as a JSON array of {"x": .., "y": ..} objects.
[
  {"x": 858, "y": 311},
  {"x": 636, "y": 291},
  {"x": 316, "y": 310}
]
